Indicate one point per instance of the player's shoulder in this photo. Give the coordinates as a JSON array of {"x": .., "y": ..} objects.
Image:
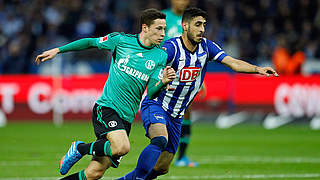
[
  {"x": 204, "y": 41},
  {"x": 208, "y": 43},
  {"x": 166, "y": 11},
  {"x": 160, "y": 49},
  {"x": 111, "y": 36},
  {"x": 122, "y": 35},
  {"x": 162, "y": 52},
  {"x": 171, "y": 46},
  {"x": 170, "y": 43},
  {"x": 114, "y": 34},
  {"x": 126, "y": 36}
]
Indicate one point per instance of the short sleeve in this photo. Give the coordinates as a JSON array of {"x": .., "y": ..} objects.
[
  {"x": 168, "y": 46},
  {"x": 109, "y": 41},
  {"x": 215, "y": 52}
]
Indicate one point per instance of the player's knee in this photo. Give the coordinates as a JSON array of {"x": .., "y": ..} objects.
[
  {"x": 160, "y": 141},
  {"x": 121, "y": 149}
]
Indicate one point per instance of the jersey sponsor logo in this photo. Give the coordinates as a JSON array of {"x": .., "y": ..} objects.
[
  {"x": 122, "y": 66},
  {"x": 105, "y": 38},
  {"x": 150, "y": 64},
  {"x": 112, "y": 124},
  {"x": 189, "y": 74}
]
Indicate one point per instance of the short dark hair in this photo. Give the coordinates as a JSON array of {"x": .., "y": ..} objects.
[
  {"x": 192, "y": 12},
  {"x": 149, "y": 15}
]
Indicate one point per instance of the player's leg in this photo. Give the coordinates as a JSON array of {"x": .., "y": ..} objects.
[
  {"x": 185, "y": 134},
  {"x": 95, "y": 170},
  {"x": 116, "y": 145},
  {"x": 106, "y": 155},
  {"x": 99, "y": 164},
  {"x": 113, "y": 142},
  {"x": 150, "y": 155},
  {"x": 182, "y": 159},
  {"x": 163, "y": 163},
  {"x": 154, "y": 121}
]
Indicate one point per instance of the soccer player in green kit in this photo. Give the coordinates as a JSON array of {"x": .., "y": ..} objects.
[
  {"x": 174, "y": 29},
  {"x": 174, "y": 18},
  {"x": 137, "y": 62}
]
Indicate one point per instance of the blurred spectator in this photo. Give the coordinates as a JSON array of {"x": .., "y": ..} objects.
[
  {"x": 284, "y": 63},
  {"x": 250, "y": 28},
  {"x": 15, "y": 59}
]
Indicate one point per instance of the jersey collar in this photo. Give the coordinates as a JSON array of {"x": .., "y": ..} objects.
[
  {"x": 143, "y": 46},
  {"x": 184, "y": 46}
]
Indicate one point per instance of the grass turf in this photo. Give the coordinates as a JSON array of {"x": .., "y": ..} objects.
[{"x": 30, "y": 150}]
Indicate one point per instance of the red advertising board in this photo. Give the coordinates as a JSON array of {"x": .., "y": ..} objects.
[{"x": 35, "y": 97}]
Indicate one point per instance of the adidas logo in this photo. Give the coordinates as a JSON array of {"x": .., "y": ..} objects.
[{"x": 139, "y": 54}]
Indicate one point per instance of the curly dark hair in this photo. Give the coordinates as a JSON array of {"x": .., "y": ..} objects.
[{"x": 192, "y": 12}]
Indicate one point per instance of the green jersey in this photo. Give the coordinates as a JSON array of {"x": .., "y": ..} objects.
[
  {"x": 133, "y": 67},
  {"x": 174, "y": 24}
]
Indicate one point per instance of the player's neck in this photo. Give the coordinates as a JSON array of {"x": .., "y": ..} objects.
[
  {"x": 188, "y": 44},
  {"x": 177, "y": 11},
  {"x": 144, "y": 40}
]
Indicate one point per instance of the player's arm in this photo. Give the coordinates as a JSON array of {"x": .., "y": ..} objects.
[
  {"x": 108, "y": 42},
  {"x": 155, "y": 86},
  {"x": 217, "y": 54},
  {"x": 78, "y": 45},
  {"x": 244, "y": 67}
]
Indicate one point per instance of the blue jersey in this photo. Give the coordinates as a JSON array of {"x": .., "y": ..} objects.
[{"x": 190, "y": 70}]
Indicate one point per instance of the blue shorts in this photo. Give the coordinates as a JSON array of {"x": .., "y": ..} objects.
[{"x": 152, "y": 112}]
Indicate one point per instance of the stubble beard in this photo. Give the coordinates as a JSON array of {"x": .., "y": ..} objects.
[{"x": 190, "y": 38}]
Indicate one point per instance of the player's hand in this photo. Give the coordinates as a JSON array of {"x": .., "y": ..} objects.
[
  {"x": 169, "y": 75},
  {"x": 267, "y": 71},
  {"x": 47, "y": 55}
]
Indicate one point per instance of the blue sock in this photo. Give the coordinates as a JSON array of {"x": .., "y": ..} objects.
[
  {"x": 153, "y": 174},
  {"x": 148, "y": 158}
]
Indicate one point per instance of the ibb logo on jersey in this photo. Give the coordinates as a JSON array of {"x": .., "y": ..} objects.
[{"x": 189, "y": 74}]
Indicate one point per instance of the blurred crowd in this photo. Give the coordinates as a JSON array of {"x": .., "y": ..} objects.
[{"x": 253, "y": 30}]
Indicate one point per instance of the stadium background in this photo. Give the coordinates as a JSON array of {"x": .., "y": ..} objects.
[{"x": 234, "y": 115}]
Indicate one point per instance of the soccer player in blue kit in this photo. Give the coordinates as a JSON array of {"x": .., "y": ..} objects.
[{"x": 188, "y": 55}]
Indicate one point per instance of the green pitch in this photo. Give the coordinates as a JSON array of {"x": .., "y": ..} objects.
[{"x": 33, "y": 151}]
